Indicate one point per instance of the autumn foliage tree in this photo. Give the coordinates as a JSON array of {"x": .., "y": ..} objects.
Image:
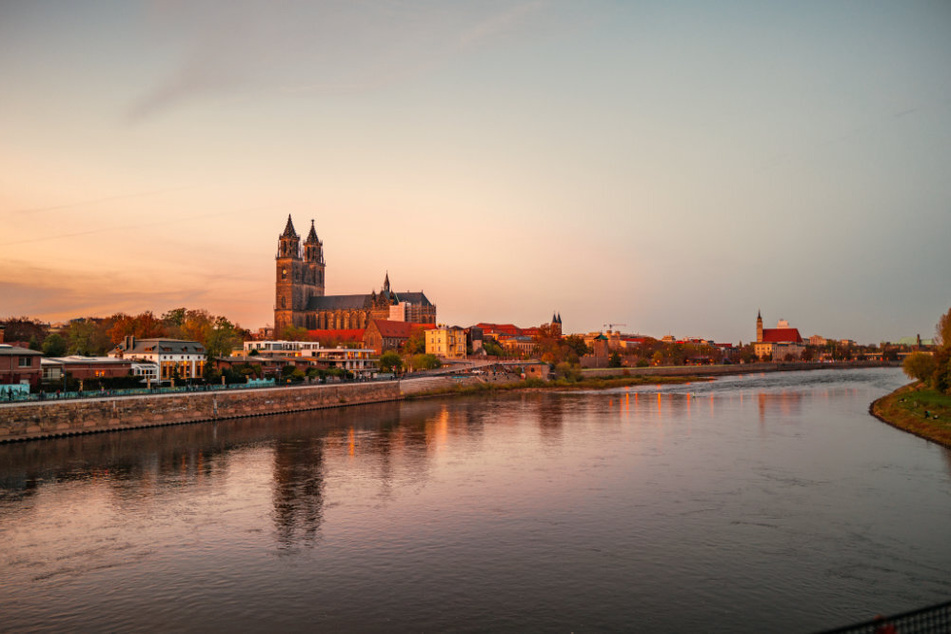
[{"x": 941, "y": 377}]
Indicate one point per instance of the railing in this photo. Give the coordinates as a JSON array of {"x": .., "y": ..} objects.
[
  {"x": 138, "y": 391},
  {"x": 936, "y": 618}
]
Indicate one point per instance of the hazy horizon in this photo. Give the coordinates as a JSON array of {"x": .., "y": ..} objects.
[{"x": 671, "y": 168}]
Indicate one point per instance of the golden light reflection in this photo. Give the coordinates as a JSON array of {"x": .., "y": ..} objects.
[
  {"x": 437, "y": 431},
  {"x": 352, "y": 442}
]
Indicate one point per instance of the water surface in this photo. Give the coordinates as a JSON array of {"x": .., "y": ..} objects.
[{"x": 753, "y": 503}]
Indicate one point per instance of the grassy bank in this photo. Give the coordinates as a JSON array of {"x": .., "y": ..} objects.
[
  {"x": 561, "y": 384},
  {"x": 917, "y": 410}
]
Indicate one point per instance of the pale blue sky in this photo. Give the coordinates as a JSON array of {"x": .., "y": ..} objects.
[{"x": 673, "y": 168}]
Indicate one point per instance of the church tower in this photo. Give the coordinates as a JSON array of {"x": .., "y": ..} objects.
[
  {"x": 289, "y": 300},
  {"x": 759, "y": 327},
  {"x": 314, "y": 261}
]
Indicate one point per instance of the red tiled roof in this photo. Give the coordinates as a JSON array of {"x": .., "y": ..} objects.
[
  {"x": 781, "y": 335},
  {"x": 352, "y": 334},
  {"x": 507, "y": 329},
  {"x": 399, "y": 329}
]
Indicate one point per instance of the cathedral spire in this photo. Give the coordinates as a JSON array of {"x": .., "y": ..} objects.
[
  {"x": 312, "y": 236},
  {"x": 288, "y": 244},
  {"x": 386, "y": 283},
  {"x": 289, "y": 229}
]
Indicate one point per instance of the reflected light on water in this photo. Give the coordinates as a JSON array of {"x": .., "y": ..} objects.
[{"x": 515, "y": 512}]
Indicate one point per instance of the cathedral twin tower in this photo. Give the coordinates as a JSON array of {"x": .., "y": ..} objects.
[{"x": 300, "y": 300}]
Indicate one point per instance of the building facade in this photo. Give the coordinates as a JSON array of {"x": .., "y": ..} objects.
[
  {"x": 300, "y": 298},
  {"x": 175, "y": 358},
  {"x": 19, "y": 367},
  {"x": 84, "y": 368},
  {"x": 382, "y": 335},
  {"x": 447, "y": 342},
  {"x": 780, "y": 343},
  {"x": 359, "y": 361}
]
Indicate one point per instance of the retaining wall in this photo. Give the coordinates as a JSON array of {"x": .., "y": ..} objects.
[{"x": 44, "y": 419}]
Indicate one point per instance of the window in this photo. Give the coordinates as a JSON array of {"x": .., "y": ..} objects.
[{"x": 26, "y": 362}]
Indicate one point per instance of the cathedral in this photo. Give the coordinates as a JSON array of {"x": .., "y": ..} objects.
[{"x": 300, "y": 300}]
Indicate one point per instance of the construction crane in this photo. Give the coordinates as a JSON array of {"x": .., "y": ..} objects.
[{"x": 611, "y": 326}]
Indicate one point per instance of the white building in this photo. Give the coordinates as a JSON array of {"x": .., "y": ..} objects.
[
  {"x": 175, "y": 358},
  {"x": 359, "y": 361}
]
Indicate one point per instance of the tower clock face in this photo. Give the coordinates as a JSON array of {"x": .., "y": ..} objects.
[{"x": 283, "y": 274}]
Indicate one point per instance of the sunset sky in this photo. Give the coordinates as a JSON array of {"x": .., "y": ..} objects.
[{"x": 674, "y": 167}]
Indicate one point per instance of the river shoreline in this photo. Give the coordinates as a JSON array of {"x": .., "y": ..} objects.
[
  {"x": 51, "y": 419},
  {"x": 904, "y": 410}
]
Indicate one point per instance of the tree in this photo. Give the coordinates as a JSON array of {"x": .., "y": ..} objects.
[
  {"x": 492, "y": 348},
  {"x": 88, "y": 336},
  {"x": 175, "y": 317},
  {"x": 941, "y": 377},
  {"x": 943, "y": 330},
  {"x": 54, "y": 346},
  {"x": 615, "y": 360},
  {"x": 221, "y": 338},
  {"x": 568, "y": 372},
  {"x": 577, "y": 345},
  {"x": 296, "y": 333},
  {"x": 24, "y": 329},
  {"x": 426, "y": 362},
  {"x": 390, "y": 361},
  {"x": 919, "y": 365},
  {"x": 142, "y": 326},
  {"x": 416, "y": 342},
  {"x": 747, "y": 354}
]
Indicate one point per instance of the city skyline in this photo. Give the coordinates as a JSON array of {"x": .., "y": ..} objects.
[{"x": 674, "y": 169}]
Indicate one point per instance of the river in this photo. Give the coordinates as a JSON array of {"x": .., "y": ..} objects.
[{"x": 752, "y": 503}]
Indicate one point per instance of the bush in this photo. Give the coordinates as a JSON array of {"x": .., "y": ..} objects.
[
  {"x": 919, "y": 366},
  {"x": 568, "y": 372},
  {"x": 426, "y": 362},
  {"x": 390, "y": 361},
  {"x": 615, "y": 360}
]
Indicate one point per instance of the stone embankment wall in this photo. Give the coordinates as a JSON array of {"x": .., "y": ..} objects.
[{"x": 57, "y": 418}]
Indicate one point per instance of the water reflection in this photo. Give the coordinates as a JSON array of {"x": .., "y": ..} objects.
[
  {"x": 298, "y": 490},
  {"x": 785, "y": 404},
  {"x": 550, "y": 416},
  {"x": 666, "y": 508}
]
